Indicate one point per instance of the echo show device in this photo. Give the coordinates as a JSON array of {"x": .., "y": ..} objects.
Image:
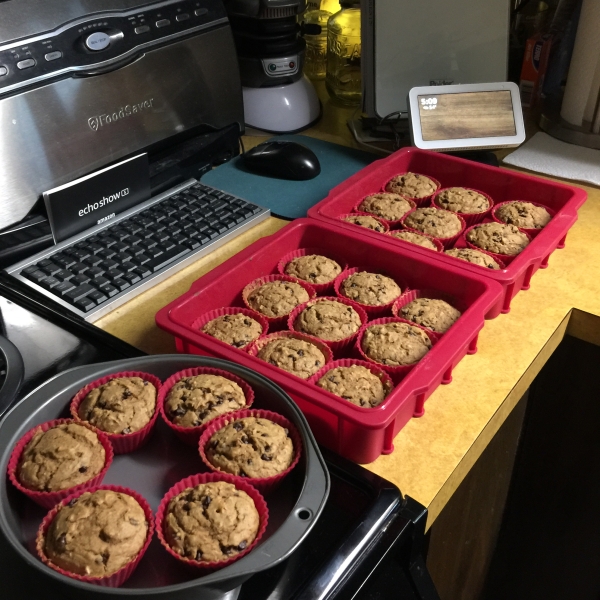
[{"x": 466, "y": 117}]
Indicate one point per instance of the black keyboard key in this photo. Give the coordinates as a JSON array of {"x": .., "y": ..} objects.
[
  {"x": 158, "y": 250},
  {"x": 159, "y": 215},
  {"x": 78, "y": 292},
  {"x": 185, "y": 224},
  {"x": 192, "y": 243},
  {"x": 92, "y": 261},
  {"x": 80, "y": 279},
  {"x": 255, "y": 209},
  {"x": 113, "y": 275},
  {"x": 167, "y": 245},
  {"x": 201, "y": 226},
  {"x": 64, "y": 275},
  {"x": 131, "y": 227},
  {"x": 92, "y": 240},
  {"x": 211, "y": 233},
  {"x": 49, "y": 267},
  {"x": 99, "y": 281},
  {"x": 245, "y": 212},
  {"x": 136, "y": 250},
  {"x": 120, "y": 247},
  {"x": 95, "y": 248},
  {"x": 148, "y": 243},
  {"x": 132, "y": 277},
  {"x": 203, "y": 238},
  {"x": 220, "y": 227},
  {"x": 29, "y": 270},
  {"x": 179, "y": 239},
  {"x": 141, "y": 221},
  {"x": 170, "y": 222},
  {"x": 108, "y": 253},
  {"x": 78, "y": 268},
  {"x": 62, "y": 288},
  {"x": 157, "y": 227},
  {"x": 94, "y": 272},
  {"x": 126, "y": 267},
  {"x": 118, "y": 233},
  {"x": 63, "y": 260},
  {"x": 141, "y": 259},
  {"x": 121, "y": 284},
  {"x": 49, "y": 282},
  {"x": 97, "y": 297},
  {"x": 107, "y": 265},
  {"x": 107, "y": 241},
  {"x": 143, "y": 272},
  {"x": 133, "y": 240},
  {"x": 161, "y": 237},
  {"x": 78, "y": 253},
  {"x": 109, "y": 290},
  {"x": 166, "y": 258},
  {"x": 85, "y": 304},
  {"x": 230, "y": 223}
]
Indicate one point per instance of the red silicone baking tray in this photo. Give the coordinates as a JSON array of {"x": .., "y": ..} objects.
[
  {"x": 500, "y": 184},
  {"x": 357, "y": 433}
]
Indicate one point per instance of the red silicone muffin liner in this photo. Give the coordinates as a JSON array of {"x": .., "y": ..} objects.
[
  {"x": 389, "y": 222},
  {"x": 446, "y": 242},
  {"x": 468, "y": 218},
  {"x": 420, "y": 202},
  {"x": 334, "y": 345},
  {"x": 275, "y": 322},
  {"x": 386, "y": 380},
  {"x": 438, "y": 245},
  {"x": 191, "y": 435},
  {"x": 122, "y": 443},
  {"x": 383, "y": 224},
  {"x": 230, "y": 310},
  {"x": 320, "y": 344},
  {"x": 119, "y": 577},
  {"x": 399, "y": 372},
  {"x": 532, "y": 232},
  {"x": 194, "y": 480},
  {"x": 49, "y": 499},
  {"x": 411, "y": 295},
  {"x": 504, "y": 258},
  {"x": 372, "y": 311},
  {"x": 263, "y": 484},
  {"x": 320, "y": 288}
]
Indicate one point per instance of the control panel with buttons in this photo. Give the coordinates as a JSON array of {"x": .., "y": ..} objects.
[
  {"x": 86, "y": 44},
  {"x": 280, "y": 67}
]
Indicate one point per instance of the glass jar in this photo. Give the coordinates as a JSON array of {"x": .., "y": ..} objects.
[
  {"x": 315, "y": 61},
  {"x": 343, "y": 79}
]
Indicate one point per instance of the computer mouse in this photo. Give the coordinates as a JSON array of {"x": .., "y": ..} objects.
[{"x": 282, "y": 159}]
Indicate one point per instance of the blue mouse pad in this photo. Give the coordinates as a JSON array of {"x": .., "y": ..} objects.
[{"x": 285, "y": 198}]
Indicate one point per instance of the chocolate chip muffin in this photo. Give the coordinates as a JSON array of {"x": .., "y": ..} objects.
[
  {"x": 498, "y": 238},
  {"x": 313, "y": 268},
  {"x": 473, "y": 256},
  {"x": 523, "y": 214},
  {"x": 211, "y": 522},
  {"x": 386, "y": 205},
  {"x": 122, "y": 405},
  {"x": 365, "y": 221},
  {"x": 412, "y": 185},
  {"x": 277, "y": 298},
  {"x": 299, "y": 357},
  {"x": 97, "y": 534},
  {"x": 60, "y": 458},
  {"x": 237, "y": 330},
  {"x": 395, "y": 344},
  {"x": 251, "y": 447},
  {"x": 462, "y": 200},
  {"x": 370, "y": 288},
  {"x": 414, "y": 238},
  {"x": 356, "y": 384},
  {"x": 432, "y": 313},
  {"x": 328, "y": 320},
  {"x": 195, "y": 400},
  {"x": 435, "y": 222}
]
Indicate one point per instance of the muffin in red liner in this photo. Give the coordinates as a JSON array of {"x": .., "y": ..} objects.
[
  {"x": 201, "y": 321},
  {"x": 461, "y": 244},
  {"x": 117, "y": 578},
  {"x": 122, "y": 443},
  {"x": 468, "y": 218},
  {"x": 396, "y": 372},
  {"x": 382, "y": 226},
  {"x": 420, "y": 202},
  {"x": 320, "y": 288},
  {"x": 531, "y": 232},
  {"x": 386, "y": 380},
  {"x": 49, "y": 499},
  {"x": 446, "y": 242},
  {"x": 335, "y": 345},
  {"x": 370, "y": 309},
  {"x": 439, "y": 247},
  {"x": 191, "y": 435},
  {"x": 275, "y": 322},
  {"x": 194, "y": 480},
  {"x": 263, "y": 484},
  {"x": 502, "y": 259},
  {"x": 320, "y": 344},
  {"x": 389, "y": 222}
]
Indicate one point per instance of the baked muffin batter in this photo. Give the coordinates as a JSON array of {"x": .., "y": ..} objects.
[
  {"x": 122, "y": 405},
  {"x": 313, "y": 268},
  {"x": 356, "y": 384},
  {"x": 328, "y": 320},
  {"x": 59, "y": 458},
  {"x": 97, "y": 533},
  {"x": 414, "y": 238},
  {"x": 295, "y": 356},
  {"x": 211, "y": 522},
  {"x": 395, "y": 344},
  {"x": 432, "y": 313},
  {"x": 434, "y": 221},
  {"x": 365, "y": 221},
  {"x": 498, "y": 238},
  {"x": 474, "y": 256},
  {"x": 370, "y": 288},
  {"x": 462, "y": 200},
  {"x": 277, "y": 298},
  {"x": 236, "y": 330},
  {"x": 386, "y": 205},
  {"x": 193, "y": 401},
  {"x": 524, "y": 214},
  {"x": 412, "y": 185},
  {"x": 251, "y": 447}
]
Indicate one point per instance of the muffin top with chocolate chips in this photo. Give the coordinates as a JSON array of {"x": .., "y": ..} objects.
[
  {"x": 299, "y": 357},
  {"x": 237, "y": 330},
  {"x": 313, "y": 268},
  {"x": 193, "y": 401},
  {"x": 277, "y": 298}
]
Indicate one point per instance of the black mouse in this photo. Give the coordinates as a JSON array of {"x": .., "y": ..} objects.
[{"x": 282, "y": 159}]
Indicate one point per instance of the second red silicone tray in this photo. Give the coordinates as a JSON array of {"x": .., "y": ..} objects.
[{"x": 360, "y": 434}]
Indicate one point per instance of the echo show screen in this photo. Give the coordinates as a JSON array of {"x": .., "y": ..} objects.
[{"x": 466, "y": 115}]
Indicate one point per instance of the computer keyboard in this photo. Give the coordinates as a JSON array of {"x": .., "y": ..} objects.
[{"x": 99, "y": 269}]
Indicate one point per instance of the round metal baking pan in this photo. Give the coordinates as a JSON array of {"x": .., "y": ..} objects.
[{"x": 294, "y": 507}]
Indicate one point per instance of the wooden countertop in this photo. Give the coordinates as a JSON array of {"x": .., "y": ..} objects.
[{"x": 434, "y": 453}]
